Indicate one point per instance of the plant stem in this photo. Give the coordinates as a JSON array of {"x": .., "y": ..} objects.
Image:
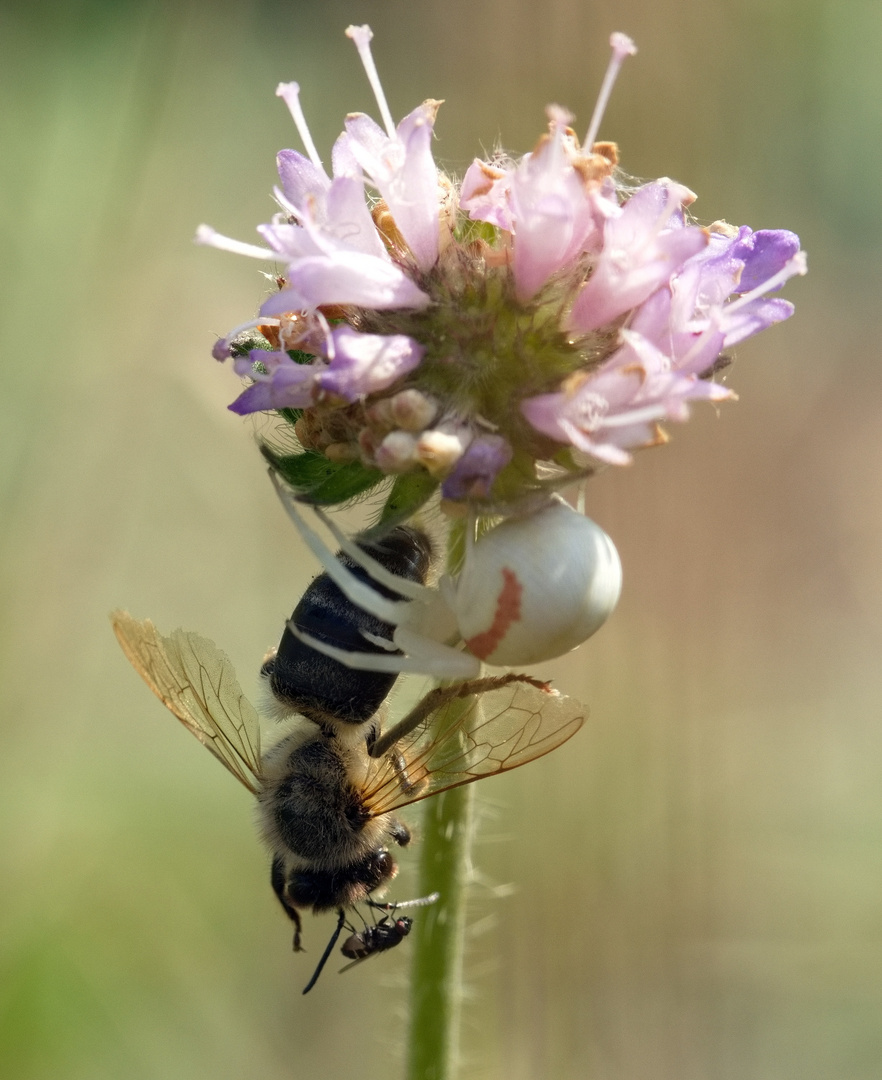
[{"x": 436, "y": 982}]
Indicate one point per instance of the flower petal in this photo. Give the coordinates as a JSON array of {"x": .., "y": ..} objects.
[{"x": 366, "y": 363}]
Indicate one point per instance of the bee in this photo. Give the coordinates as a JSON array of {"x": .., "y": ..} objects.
[{"x": 328, "y": 787}]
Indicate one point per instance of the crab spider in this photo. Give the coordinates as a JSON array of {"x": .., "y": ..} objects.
[{"x": 530, "y": 589}]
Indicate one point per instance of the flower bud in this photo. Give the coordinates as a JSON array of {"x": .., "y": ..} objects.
[
  {"x": 537, "y": 586},
  {"x": 395, "y": 454},
  {"x": 412, "y": 410},
  {"x": 440, "y": 448}
]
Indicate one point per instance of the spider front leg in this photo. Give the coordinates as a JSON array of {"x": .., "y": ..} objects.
[{"x": 425, "y": 651}]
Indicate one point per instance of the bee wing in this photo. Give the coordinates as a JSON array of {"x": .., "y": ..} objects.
[
  {"x": 196, "y": 681},
  {"x": 469, "y": 739}
]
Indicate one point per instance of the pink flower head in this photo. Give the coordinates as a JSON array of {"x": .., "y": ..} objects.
[{"x": 487, "y": 336}]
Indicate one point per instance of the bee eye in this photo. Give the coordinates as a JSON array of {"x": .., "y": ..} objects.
[{"x": 537, "y": 586}]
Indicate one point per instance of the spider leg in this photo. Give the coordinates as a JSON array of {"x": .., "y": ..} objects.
[
  {"x": 390, "y": 611},
  {"x": 430, "y": 657},
  {"x": 411, "y": 589},
  {"x": 357, "y": 591}
]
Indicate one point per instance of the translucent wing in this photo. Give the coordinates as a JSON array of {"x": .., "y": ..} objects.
[
  {"x": 469, "y": 739},
  {"x": 196, "y": 681}
]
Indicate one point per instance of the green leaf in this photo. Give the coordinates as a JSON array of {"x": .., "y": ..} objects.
[
  {"x": 409, "y": 492},
  {"x": 319, "y": 481}
]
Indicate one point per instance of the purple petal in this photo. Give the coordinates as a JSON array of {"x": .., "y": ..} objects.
[
  {"x": 404, "y": 172},
  {"x": 349, "y": 221},
  {"x": 552, "y": 216},
  {"x": 753, "y": 317},
  {"x": 642, "y": 248},
  {"x": 301, "y": 180},
  {"x": 485, "y": 194},
  {"x": 616, "y": 408},
  {"x": 349, "y": 278},
  {"x": 474, "y": 473},
  {"x": 764, "y": 253},
  {"x": 284, "y": 385},
  {"x": 366, "y": 363}
]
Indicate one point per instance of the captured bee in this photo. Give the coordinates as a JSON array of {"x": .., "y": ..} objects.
[{"x": 328, "y": 786}]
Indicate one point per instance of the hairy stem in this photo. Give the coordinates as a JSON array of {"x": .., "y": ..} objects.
[{"x": 436, "y": 983}]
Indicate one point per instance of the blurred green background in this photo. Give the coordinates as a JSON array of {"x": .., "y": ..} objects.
[{"x": 692, "y": 889}]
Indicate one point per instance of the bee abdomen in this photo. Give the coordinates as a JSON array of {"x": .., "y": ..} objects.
[{"x": 319, "y": 687}]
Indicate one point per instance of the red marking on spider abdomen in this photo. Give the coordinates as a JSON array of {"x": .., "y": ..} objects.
[{"x": 508, "y": 611}]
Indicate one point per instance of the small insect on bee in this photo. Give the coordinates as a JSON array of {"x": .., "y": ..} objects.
[
  {"x": 382, "y": 935},
  {"x": 327, "y": 788}
]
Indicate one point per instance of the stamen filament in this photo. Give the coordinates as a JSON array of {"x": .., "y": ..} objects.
[
  {"x": 641, "y": 415},
  {"x": 211, "y": 238},
  {"x": 558, "y": 118},
  {"x": 362, "y": 35},
  {"x": 622, "y": 46},
  {"x": 290, "y": 93}
]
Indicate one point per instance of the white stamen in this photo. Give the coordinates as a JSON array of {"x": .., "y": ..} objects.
[
  {"x": 622, "y": 46},
  {"x": 362, "y": 35},
  {"x": 796, "y": 264},
  {"x": 330, "y": 344},
  {"x": 290, "y": 93},
  {"x": 208, "y": 236}
]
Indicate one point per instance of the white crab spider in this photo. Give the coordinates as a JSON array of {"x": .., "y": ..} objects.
[{"x": 531, "y": 589}]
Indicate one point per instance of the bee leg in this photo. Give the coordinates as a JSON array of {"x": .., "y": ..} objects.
[
  {"x": 341, "y": 920},
  {"x": 296, "y": 946},
  {"x": 277, "y": 880}
]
